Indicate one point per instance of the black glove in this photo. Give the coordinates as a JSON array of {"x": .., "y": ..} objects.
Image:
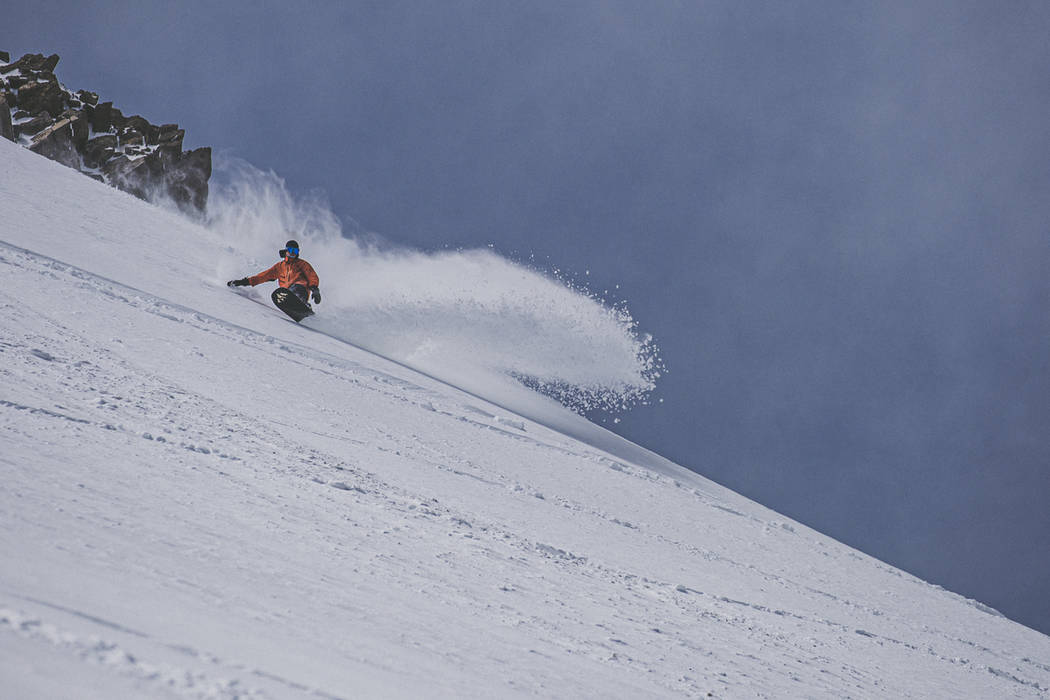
[
  {"x": 315, "y": 294},
  {"x": 243, "y": 282}
]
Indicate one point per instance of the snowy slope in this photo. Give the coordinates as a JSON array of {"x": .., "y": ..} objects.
[{"x": 203, "y": 499}]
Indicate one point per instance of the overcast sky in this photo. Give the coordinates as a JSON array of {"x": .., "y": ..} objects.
[{"x": 833, "y": 216}]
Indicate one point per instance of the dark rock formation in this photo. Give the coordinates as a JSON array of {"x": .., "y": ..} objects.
[
  {"x": 57, "y": 142},
  {"x": 188, "y": 183},
  {"x": 33, "y": 125},
  {"x": 75, "y": 129},
  {"x": 32, "y": 62},
  {"x": 99, "y": 150},
  {"x": 7, "y": 129},
  {"x": 40, "y": 97}
]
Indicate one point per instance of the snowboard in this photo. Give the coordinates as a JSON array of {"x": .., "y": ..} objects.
[{"x": 292, "y": 305}]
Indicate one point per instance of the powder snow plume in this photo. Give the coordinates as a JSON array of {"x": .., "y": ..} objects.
[{"x": 472, "y": 318}]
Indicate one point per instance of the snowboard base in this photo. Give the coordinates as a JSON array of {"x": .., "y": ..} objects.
[{"x": 286, "y": 301}]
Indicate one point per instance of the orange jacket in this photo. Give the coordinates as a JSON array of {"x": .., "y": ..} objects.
[{"x": 287, "y": 272}]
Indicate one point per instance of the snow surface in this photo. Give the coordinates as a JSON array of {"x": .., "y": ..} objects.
[{"x": 202, "y": 499}]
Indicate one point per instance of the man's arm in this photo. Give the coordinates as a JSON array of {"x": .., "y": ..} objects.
[
  {"x": 264, "y": 276},
  {"x": 311, "y": 276}
]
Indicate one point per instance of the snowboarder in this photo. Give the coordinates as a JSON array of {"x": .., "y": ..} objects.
[{"x": 292, "y": 273}]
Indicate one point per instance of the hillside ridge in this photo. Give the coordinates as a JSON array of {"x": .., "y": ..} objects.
[{"x": 205, "y": 500}]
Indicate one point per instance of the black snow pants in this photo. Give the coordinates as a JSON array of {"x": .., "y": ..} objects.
[{"x": 302, "y": 292}]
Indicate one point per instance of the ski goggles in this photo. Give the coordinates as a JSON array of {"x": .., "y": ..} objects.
[{"x": 292, "y": 251}]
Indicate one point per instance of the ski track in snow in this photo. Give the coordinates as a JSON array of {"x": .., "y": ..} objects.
[{"x": 197, "y": 508}]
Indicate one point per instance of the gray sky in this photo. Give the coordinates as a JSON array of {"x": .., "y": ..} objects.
[{"x": 833, "y": 216}]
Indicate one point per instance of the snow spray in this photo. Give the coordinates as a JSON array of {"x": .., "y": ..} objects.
[{"x": 472, "y": 317}]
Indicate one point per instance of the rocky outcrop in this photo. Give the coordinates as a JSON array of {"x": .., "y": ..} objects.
[
  {"x": 7, "y": 129},
  {"x": 77, "y": 130}
]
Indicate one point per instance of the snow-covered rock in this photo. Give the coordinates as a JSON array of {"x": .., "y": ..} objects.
[{"x": 143, "y": 159}]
